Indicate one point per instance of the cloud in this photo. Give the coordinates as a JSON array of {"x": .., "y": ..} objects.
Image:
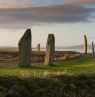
[
  {"x": 22, "y": 15},
  {"x": 26, "y": 17},
  {"x": 16, "y": 3},
  {"x": 32, "y": 3},
  {"x": 27, "y": 3}
]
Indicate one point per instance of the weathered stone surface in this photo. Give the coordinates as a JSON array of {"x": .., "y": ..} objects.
[
  {"x": 50, "y": 49},
  {"x": 92, "y": 48},
  {"x": 85, "y": 44},
  {"x": 12, "y": 93},
  {"x": 38, "y": 47},
  {"x": 25, "y": 49}
]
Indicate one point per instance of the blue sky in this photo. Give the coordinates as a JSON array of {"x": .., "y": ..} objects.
[
  {"x": 88, "y": 5},
  {"x": 68, "y": 20}
]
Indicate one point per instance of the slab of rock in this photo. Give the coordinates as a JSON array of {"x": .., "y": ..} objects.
[
  {"x": 12, "y": 93},
  {"x": 85, "y": 44},
  {"x": 25, "y": 49},
  {"x": 50, "y": 49},
  {"x": 38, "y": 48},
  {"x": 92, "y": 48}
]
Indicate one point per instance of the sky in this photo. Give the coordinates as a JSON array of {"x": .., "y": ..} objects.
[{"x": 68, "y": 20}]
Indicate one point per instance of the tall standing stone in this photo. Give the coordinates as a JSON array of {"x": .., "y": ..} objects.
[
  {"x": 38, "y": 48},
  {"x": 92, "y": 48},
  {"x": 50, "y": 49},
  {"x": 25, "y": 49},
  {"x": 85, "y": 44}
]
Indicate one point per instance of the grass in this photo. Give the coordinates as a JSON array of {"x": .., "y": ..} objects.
[
  {"x": 75, "y": 66},
  {"x": 58, "y": 86},
  {"x": 72, "y": 78}
]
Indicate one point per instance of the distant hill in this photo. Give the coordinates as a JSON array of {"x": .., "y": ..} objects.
[
  {"x": 8, "y": 49},
  {"x": 11, "y": 49},
  {"x": 75, "y": 47}
]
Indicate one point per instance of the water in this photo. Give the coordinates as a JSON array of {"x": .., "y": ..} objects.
[{"x": 77, "y": 50}]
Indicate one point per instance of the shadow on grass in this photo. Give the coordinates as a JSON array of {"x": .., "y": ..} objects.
[{"x": 58, "y": 86}]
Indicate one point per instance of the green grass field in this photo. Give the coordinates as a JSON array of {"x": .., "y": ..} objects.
[
  {"x": 71, "y": 78},
  {"x": 75, "y": 66}
]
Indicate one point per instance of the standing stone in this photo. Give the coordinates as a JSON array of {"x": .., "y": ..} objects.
[
  {"x": 38, "y": 48},
  {"x": 92, "y": 48},
  {"x": 25, "y": 49},
  {"x": 50, "y": 49},
  {"x": 85, "y": 44}
]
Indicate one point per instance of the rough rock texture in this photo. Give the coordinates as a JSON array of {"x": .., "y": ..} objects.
[
  {"x": 12, "y": 93},
  {"x": 25, "y": 49},
  {"x": 38, "y": 47},
  {"x": 50, "y": 49},
  {"x": 85, "y": 44},
  {"x": 92, "y": 48}
]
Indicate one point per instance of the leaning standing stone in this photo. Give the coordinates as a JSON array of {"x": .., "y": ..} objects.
[
  {"x": 50, "y": 49},
  {"x": 92, "y": 48},
  {"x": 85, "y": 44},
  {"x": 25, "y": 49}
]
